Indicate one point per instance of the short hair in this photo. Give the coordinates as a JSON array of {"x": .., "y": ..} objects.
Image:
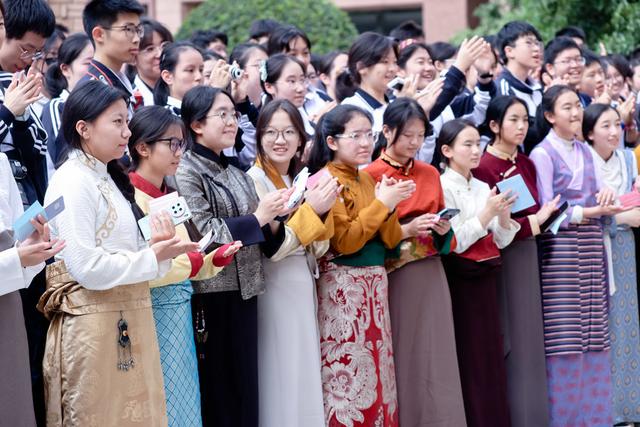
[
  {"x": 441, "y": 51},
  {"x": 61, "y": 27},
  {"x": 22, "y": 16},
  {"x": 152, "y": 26},
  {"x": 572, "y": 31},
  {"x": 590, "y": 57},
  {"x": 282, "y": 36},
  {"x": 262, "y": 28},
  {"x": 557, "y": 46},
  {"x": 104, "y": 13},
  {"x": 407, "y": 30},
  {"x": 203, "y": 38},
  {"x": 512, "y": 31}
]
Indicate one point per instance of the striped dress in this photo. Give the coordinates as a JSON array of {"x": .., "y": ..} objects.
[{"x": 574, "y": 290}]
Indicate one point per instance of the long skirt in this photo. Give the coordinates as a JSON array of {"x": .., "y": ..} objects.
[
  {"x": 290, "y": 386},
  {"x": 226, "y": 331},
  {"x": 478, "y": 340},
  {"x": 624, "y": 328},
  {"x": 174, "y": 327},
  {"x": 576, "y": 331},
  {"x": 85, "y": 383},
  {"x": 525, "y": 357},
  {"x": 424, "y": 346},
  {"x": 16, "y": 404},
  {"x": 357, "y": 353}
]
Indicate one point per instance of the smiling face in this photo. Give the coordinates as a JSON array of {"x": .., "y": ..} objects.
[
  {"x": 106, "y": 137},
  {"x": 615, "y": 81},
  {"x": 148, "y": 60},
  {"x": 158, "y": 156},
  {"x": 379, "y": 75},
  {"x": 569, "y": 62},
  {"x": 213, "y": 132},
  {"x": 291, "y": 85},
  {"x": 566, "y": 117},
  {"x": 280, "y": 140},
  {"x": 605, "y": 136},
  {"x": 408, "y": 142},
  {"x": 421, "y": 64},
  {"x": 464, "y": 153},
  {"x": 356, "y": 149},
  {"x": 16, "y": 54}
]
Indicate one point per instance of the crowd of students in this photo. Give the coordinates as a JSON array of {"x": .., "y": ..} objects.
[{"x": 402, "y": 289}]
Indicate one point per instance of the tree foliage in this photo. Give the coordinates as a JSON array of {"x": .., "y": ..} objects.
[
  {"x": 327, "y": 27},
  {"x": 614, "y": 23}
]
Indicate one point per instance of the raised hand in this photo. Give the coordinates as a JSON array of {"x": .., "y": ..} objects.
[{"x": 323, "y": 195}]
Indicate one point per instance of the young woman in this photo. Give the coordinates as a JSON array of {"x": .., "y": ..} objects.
[
  {"x": 248, "y": 56},
  {"x": 429, "y": 391},
  {"x": 572, "y": 268},
  {"x": 19, "y": 264},
  {"x": 97, "y": 293},
  {"x": 61, "y": 78},
  {"x": 283, "y": 77},
  {"x": 155, "y": 37},
  {"x": 223, "y": 200},
  {"x": 332, "y": 65},
  {"x": 156, "y": 145},
  {"x": 181, "y": 66},
  {"x": 357, "y": 354},
  {"x": 372, "y": 65},
  {"x": 617, "y": 170},
  {"x": 482, "y": 227},
  {"x": 288, "y": 337},
  {"x": 519, "y": 285}
]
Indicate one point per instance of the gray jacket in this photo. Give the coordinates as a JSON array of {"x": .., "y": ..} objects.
[{"x": 222, "y": 198}]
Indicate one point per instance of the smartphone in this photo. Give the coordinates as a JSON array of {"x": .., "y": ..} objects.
[
  {"x": 396, "y": 84},
  {"x": 448, "y": 213},
  {"x": 545, "y": 226}
]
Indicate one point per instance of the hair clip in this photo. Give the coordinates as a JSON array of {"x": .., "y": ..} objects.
[
  {"x": 263, "y": 70},
  {"x": 406, "y": 43}
]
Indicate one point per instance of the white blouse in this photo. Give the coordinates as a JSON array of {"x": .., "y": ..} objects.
[
  {"x": 612, "y": 173},
  {"x": 104, "y": 247},
  {"x": 470, "y": 196},
  {"x": 14, "y": 276}
]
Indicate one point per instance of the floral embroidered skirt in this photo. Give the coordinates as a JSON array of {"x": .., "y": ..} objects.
[{"x": 358, "y": 376}]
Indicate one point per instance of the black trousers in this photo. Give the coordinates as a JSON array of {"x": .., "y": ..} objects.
[{"x": 226, "y": 328}]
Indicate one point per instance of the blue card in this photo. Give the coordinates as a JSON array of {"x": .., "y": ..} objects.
[
  {"x": 518, "y": 187},
  {"x": 23, "y": 228}
]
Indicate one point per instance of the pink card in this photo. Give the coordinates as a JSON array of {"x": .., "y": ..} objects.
[
  {"x": 630, "y": 199},
  {"x": 315, "y": 178}
]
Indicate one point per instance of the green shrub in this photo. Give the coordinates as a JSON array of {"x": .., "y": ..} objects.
[
  {"x": 614, "y": 23},
  {"x": 327, "y": 27}
]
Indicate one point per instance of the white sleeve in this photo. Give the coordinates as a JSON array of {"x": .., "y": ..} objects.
[
  {"x": 91, "y": 265},
  {"x": 503, "y": 236},
  {"x": 14, "y": 276},
  {"x": 467, "y": 231}
]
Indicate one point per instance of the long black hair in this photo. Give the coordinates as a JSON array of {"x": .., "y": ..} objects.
[
  {"x": 496, "y": 112},
  {"x": 87, "y": 102},
  {"x": 69, "y": 51},
  {"x": 275, "y": 66},
  {"x": 331, "y": 124},
  {"x": 196, "y": 105},
  {"x": 147, "y": 125},
  {"x": 546, "y": 106},
  {"x": 168, "y": 61},
  {"x": 397, "y": 116},
  {"x": 368, "y": 50},
  {"x": 266, "y": 114}
]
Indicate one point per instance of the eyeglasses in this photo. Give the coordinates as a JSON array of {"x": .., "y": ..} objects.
[
  {"x": 174, "y": 144},
  {"x": 27, "y": 54},
  {"x": 227, "y": 117},
  {"x": 532, "y": 43},
  {"x": 289, "y": 134},
  {"x": 579, "y": 60},
  {"x": 152, "y": 49},
  {"x": 130, "y": 30},
  {"x": 369, "y": 136}
]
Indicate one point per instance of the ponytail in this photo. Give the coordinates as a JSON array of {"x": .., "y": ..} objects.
[
  {"x": 169, "y": 61},
  {"x": 70, "y": 49},
  {"x": 54, "y": 81}
]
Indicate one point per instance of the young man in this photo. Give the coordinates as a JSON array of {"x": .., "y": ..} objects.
[
  {"x": 520, "y": 48},
  {"x": 564, "y": 63},
  {"x": 115, "y": 30},
  {"x": 215, "y": 41},
  {"x": 593, "y": 78}
]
